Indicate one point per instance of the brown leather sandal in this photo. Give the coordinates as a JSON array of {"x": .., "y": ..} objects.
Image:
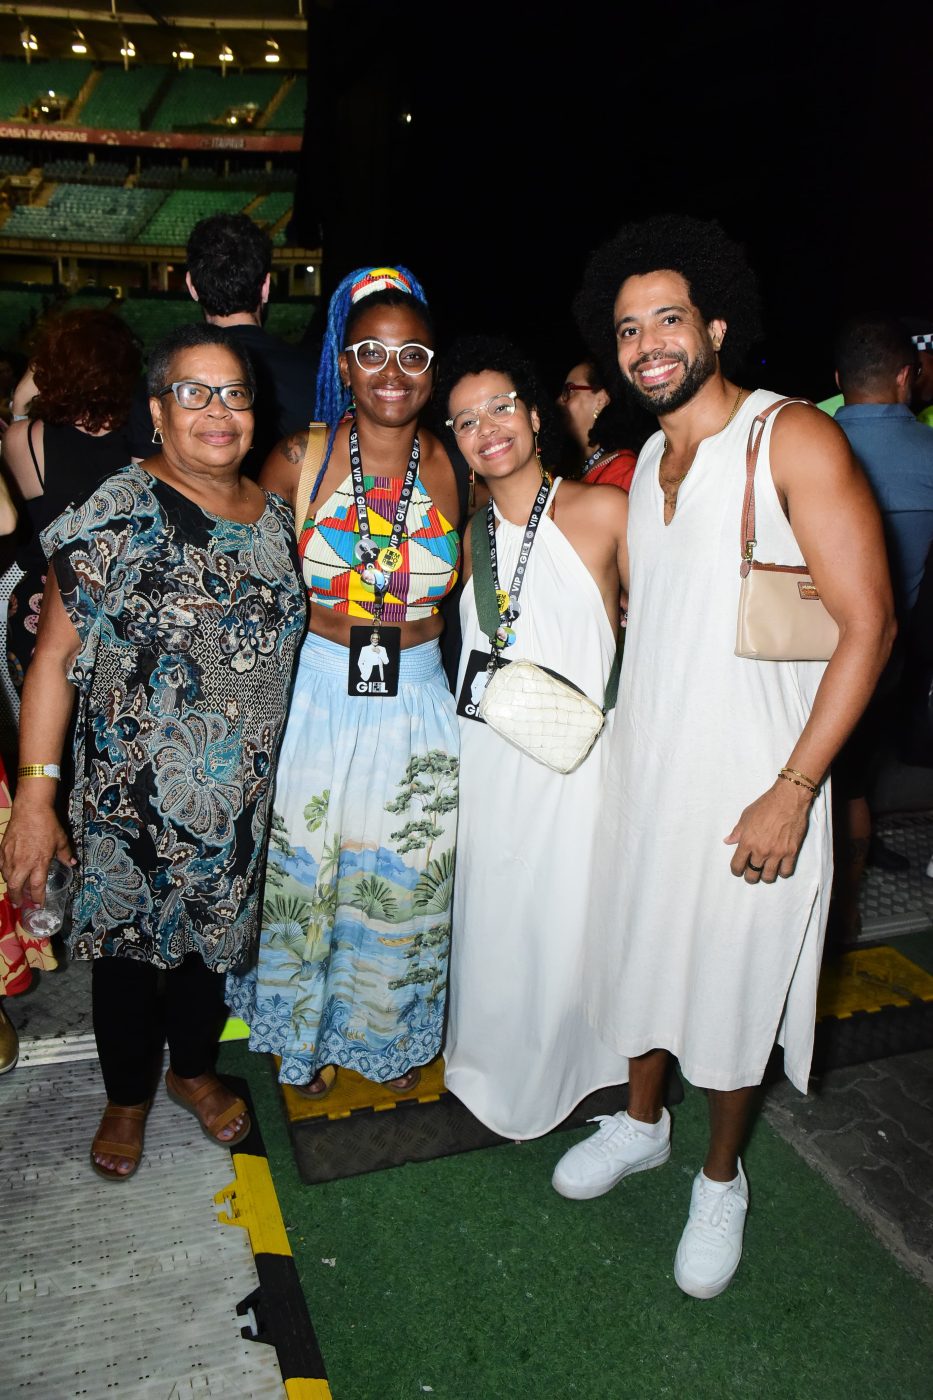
[
  {"x": 326, "y": 1077},
  {"x": 109, "y": 1139},
  {"x": 210, "y": 1127},
  {"x": 405, "y": 1082}
]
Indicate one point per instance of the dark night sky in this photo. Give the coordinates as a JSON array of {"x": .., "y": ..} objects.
[{"x": 536, "y": 133}]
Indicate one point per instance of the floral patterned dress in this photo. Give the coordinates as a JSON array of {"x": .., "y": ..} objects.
[{"x": 189, "y": 625}]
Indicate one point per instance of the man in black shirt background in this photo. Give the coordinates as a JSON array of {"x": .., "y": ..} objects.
[{"x": 229, "y": 274}]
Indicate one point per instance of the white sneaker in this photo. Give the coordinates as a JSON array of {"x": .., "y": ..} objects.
[
  {"x": 711, "y": 1245},
  {"x": 618, "y": 1148}
]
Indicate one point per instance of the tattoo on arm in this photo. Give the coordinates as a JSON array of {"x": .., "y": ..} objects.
[{"x": 293, "y": 449}]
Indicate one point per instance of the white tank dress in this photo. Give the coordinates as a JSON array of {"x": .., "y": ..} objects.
[
  {"x": 682, "y": 954},
  {"x": 520, "y": 1053}
]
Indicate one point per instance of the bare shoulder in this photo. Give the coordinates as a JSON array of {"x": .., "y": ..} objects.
[
  {"x": 466, "y": 567},
  {"x": 14, "y": 439},
  {"x": 605, "y": 507},
  {"x": 438, "y": 475},
  {"x": 282, "y": 467},
  {"x": 291, "y": 449},
  {"x": 434, "y": 454},
  {"x": 18, "y": 458},
  {"x": 804, "y": 435}
]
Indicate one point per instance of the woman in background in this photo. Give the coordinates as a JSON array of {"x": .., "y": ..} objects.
[
  {"x": 86, "y": 367},
  {"x": 604, "y": 435}
]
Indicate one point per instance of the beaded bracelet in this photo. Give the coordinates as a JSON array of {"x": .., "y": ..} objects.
[{"x": 793, "y": 775}]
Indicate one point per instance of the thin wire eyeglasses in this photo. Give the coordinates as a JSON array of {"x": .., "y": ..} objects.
[
  {"x": 373, "y": 355},
  {"x": 466, "y": 422},
  {"x": 192, "y": 394}
]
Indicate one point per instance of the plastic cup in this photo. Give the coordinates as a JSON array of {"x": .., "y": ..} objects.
[{"x": 45, "y": 919}]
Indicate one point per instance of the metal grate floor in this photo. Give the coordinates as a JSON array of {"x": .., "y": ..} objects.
[
  {"x": 900, "y": 903},
  {"x": 118, "y": 1287}
]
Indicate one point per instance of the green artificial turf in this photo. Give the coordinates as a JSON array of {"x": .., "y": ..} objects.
[{"x": 469, "y": 1278}]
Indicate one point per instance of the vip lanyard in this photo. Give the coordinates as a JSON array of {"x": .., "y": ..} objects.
[
  {"x": 593, "y": 461},
  {"x": 507, "y": 603},
  {"x": 377, "y": 564}
]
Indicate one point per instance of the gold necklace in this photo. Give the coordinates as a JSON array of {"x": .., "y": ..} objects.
[{"x": 672, "y": 486}]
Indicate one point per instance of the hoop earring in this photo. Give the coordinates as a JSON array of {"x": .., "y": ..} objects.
[
  {"x": 545, "y": 475},
  {"x": 471, "y": 494},
  {"x": 157, "y": 436}
]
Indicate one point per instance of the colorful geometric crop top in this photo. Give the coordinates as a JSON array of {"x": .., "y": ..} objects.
[{"x": 430, "y": 549}]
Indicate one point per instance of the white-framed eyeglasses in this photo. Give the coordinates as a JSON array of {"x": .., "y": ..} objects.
[
  {"x": 373, "y": 355},
  {"x": 466, "y": 422},
  {"x": 191, "y": 393}
]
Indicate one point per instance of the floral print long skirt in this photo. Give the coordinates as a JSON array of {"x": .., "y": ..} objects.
[{"x": 352, "y": 966}]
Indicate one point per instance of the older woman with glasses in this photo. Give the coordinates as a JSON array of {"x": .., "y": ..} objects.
[
  {"x": 352, "y": 967},
  {"x": 174, "y": 611}
]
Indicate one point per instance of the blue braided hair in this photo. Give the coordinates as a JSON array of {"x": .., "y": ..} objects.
[{"x": 333, "y": 397}]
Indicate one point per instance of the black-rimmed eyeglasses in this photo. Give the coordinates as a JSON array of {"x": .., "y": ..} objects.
[{"x": 191, "y": 393}]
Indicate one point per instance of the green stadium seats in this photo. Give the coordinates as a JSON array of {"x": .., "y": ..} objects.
[
  {"x": 182, "y": 209},
  {"x": 153, "y": 317},
  {"x": 290, "y": 319},
  {"x": 171, "y": 177},
  {"x": 258, "y": 178},
  {"x": 19, "y": 309},
  {"x": 120, "y": 98},
  {"x": 21, "y": 83},
  {"x": 199, "y": 97},
  {"x": 102, "y": 172},
  {"x": 85, "y": 214},
  {"x": 272, "y": 208},
  {"x": 290, "y": 116}
]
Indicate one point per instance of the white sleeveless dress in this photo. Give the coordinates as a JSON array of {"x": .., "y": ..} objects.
[
  {"x": 683, "y": 955},
  {"x": 519, "y": 1052}
]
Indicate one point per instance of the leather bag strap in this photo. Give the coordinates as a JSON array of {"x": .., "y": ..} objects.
[
  {"x": 314, "y": 456},
  {"x": 747, "y": 539}
]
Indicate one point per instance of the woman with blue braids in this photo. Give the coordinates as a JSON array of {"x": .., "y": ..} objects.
[{"x": 352, "y": 966}]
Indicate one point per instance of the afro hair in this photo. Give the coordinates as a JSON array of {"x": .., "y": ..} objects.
[
  {"x": 721, "y": 283},
  {"x": 476, "y": 354}
]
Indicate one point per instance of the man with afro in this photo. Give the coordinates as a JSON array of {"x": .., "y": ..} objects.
[{"x": 715, "y": 845}]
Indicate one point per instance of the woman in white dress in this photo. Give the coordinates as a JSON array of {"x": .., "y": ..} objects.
[{"x": 519, "y": 1052}]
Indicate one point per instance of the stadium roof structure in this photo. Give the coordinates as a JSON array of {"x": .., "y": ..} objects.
[{"x": 264, "y": 35}]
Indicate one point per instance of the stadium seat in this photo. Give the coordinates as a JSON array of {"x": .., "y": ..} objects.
[{"x": 120, "y": 98}]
